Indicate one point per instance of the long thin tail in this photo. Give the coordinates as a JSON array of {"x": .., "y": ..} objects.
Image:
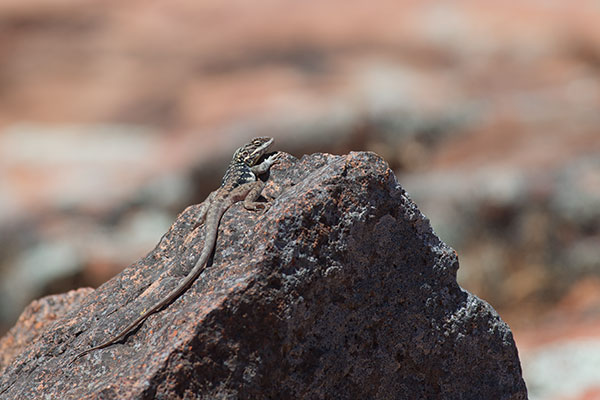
[{"x": 212, "y": 224}]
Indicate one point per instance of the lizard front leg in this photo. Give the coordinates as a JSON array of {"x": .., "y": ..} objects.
[
  {"x": 264, "y": 166},
  {"x": 255, "y": 189}
]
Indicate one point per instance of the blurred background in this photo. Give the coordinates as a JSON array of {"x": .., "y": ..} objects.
[{"x": 114, "y": 116}]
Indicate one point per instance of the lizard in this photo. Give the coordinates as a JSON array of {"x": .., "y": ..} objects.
[{"x": 240, "y": 183}]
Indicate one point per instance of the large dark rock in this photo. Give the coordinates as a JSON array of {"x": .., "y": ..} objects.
[{"x": 339, "y": 291}]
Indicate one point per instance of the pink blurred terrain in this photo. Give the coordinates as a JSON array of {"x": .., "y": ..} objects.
[{"x": 114, "y": 116}]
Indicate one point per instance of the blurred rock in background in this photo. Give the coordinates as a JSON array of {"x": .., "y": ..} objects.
[{"x": 115, "y": 116}]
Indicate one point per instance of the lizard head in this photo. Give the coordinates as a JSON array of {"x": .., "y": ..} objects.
[{"x": 250, "y": 153}]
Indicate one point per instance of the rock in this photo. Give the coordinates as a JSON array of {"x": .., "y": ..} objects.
[
  {"x": 37, "y": 316},
  {"x": 341, "y": 290}
]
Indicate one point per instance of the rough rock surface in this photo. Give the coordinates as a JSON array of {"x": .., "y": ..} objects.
[
  {"x": 34, "y": 319},
  {"x": 341, "y": 290}
]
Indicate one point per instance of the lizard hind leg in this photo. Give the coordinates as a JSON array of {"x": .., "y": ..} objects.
[{"x": 204, "y": 206}]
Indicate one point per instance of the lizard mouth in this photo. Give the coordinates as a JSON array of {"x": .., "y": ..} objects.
[{"x": 262, "y": 147}]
